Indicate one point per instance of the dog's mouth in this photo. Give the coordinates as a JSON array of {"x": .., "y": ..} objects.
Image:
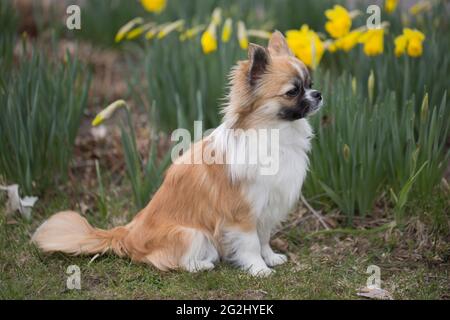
[
  {"x": 306, "y": 108},
  {"x": 315, "y": 107}
]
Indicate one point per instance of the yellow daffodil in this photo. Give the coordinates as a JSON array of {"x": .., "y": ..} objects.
[
  {"x": 415, "y": 48},
  {"x": 155, "y": 6},
  {"x": 331, "y": 46},
  {"x": 373, "y": 40},
  {"x": 176, "y": 25},
  {"x": 339, "y": 21},
  {"x": 227, "y": 30},
  {"x": 306, "y": 45},
  {"x": 347, "y": 42},
  {"x": 108, "y": 112},
  {"x": 410, "y": 42},
  {"x": 242, "y": 35},
  {"x": 413, "y": 34},
  {"x": 191, "y": 32},
  {"x": 400, "y": 45},
  {"x": 123, "y": 31},
  {"x": 209, "y": 40},
  {"x": 390, "y": 5}
]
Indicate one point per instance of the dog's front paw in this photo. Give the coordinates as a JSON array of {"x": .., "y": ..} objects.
[
  {"x": 197, "y": 266},
  {"x": 260, "y": 271},
  {"x": 274, "y": 259}
]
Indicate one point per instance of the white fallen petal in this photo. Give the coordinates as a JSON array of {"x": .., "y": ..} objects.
[
  {"x": 15, "y": 203},
  {"x": 27, "y": 205}
]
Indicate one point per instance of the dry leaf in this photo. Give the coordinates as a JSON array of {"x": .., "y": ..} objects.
[
  {"x": 280, "y": 244},
  {"x": 375, "y": 293}
]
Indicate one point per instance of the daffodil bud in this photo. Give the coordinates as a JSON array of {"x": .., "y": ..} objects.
[
  {"x": 346, "y": 152},
  {"x": 152, "y": 32},
  {"x": 354, "y": 86},
  {"x": 136, "y": 32},
  {"x": 191, "y": 32},
  {"x": 209, "y": 40},
  {"x": 227, "y": 30},
  {"x": 420, "y": 7},
  {"x": 126, "y": 28},
  {"x": 404, "y": 17},
  {"x": 424, "y": 108},
  {"x": 259, "y": 34},
  {"x": 109, "y": 111},
  {"x": 176, "y": 25},
  {"x": 242, "y": 35},
  {"x": 370, "y": 86},
  {"x": 216, "y": 16}
]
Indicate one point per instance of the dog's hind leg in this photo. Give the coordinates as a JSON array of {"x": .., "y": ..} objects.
[{"x": 201, "y": 254}]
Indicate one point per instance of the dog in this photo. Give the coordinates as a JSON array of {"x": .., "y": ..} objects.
[{"x": 210, "y": 211}]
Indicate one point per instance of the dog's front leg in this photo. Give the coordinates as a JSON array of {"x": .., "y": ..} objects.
[
  {"x": 244, "y": 249},
  {"x": 271, "y": 258}
]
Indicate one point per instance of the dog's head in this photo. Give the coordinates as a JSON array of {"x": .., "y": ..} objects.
[{"x": 271, "y": 86}]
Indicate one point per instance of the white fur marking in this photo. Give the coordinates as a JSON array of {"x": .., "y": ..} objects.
[{"x": 201, "y": 254}]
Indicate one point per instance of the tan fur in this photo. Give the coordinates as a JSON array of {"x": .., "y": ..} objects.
[
  {"x": 193, "y": 198},
  {"x": 281, "y": 71},
  {"x": 69, "y": 232}
]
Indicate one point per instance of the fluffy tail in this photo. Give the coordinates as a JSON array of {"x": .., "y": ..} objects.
[{"x": 69, "y": 232}]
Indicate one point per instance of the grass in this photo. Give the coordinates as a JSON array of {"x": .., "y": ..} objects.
[{"x": 324, "y": 267}]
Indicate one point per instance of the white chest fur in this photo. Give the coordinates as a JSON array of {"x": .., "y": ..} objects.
[{"x": 272, "y": 196}]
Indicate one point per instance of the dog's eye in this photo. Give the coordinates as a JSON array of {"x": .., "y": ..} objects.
[
  {"x": 311, "y": 84},
  {"x": 293, "y": 92}
]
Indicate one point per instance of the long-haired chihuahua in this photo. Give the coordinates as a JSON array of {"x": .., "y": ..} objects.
[{"x": 213, "y": 210}]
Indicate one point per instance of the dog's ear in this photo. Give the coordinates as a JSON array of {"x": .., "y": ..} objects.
[
  {"x": 278, "y": 45},
  {"x": 259, "y": 59}
]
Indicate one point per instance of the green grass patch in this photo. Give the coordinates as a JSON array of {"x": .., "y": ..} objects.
[{"x": 325, "y": 267}]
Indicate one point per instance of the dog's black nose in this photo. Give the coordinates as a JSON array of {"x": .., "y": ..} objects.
[{"x": 316, "y": 95}]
